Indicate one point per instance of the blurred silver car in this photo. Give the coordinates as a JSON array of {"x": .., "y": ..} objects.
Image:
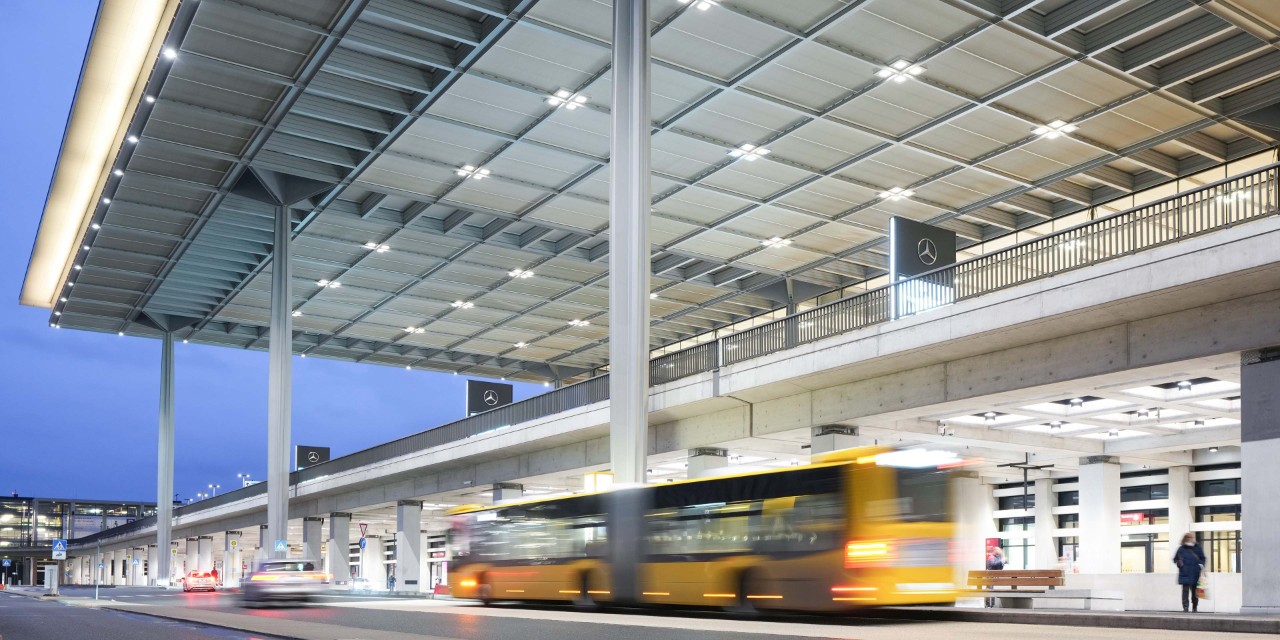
[{"x": 296, "y": 580}]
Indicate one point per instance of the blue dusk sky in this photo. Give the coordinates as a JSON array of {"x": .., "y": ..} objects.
[{"x": 78, "y": 410}]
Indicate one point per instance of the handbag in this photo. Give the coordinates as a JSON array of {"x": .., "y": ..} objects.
[{"x": 1202, "y": 591}]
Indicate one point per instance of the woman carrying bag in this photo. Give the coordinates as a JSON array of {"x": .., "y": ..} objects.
[{"x": 1190, "y": 560}]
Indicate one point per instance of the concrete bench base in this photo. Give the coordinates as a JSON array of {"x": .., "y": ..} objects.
[{"x": 1081, "y": 599}]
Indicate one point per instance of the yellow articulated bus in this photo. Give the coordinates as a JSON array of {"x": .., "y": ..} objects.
[{"x": 860, "y": 527}]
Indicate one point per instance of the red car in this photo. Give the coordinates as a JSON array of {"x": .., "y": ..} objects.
[{"x": 199, "y": 581}]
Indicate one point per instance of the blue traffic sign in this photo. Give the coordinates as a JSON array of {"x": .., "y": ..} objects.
[
  {"x": 362, "y": 543},
  {"x": 280, "y": 545},
  {"x": 59, "y": 549},
  {"x": 137, "y": 561},
  {"x": 100, "y": 565},
  {"x": 6, "y": 563}
]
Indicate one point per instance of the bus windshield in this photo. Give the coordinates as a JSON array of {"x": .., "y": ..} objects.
[{"x": 922, "y": 495}]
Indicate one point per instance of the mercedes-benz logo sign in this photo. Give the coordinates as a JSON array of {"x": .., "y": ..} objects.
[
  {"x": 313, "y": 456},
  {"x": 491, "y": 398},
  {"x": 928, "y": 251}
]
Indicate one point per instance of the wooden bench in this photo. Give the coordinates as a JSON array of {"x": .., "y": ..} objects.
[
  {"x": 1014, "y": 579},
  {"x": 1018, "y": 589}
]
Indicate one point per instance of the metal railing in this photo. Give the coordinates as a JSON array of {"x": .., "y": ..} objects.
[{"x": 1185, "y": 215}]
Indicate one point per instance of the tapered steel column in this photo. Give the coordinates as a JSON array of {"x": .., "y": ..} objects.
[
  {"x": 159, "y": 574},
  {"x": 629, "y": 243},
  {"x": 279, "y": 388}
]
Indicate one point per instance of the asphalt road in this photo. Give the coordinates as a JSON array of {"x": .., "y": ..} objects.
[
  {"x": 372, "y": 618},
  {"x": 26, "y": 618}
]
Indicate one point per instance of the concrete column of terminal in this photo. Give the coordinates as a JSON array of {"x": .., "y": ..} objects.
[
  {"x": 312, "y": 537},
  {"x": 280, "y": 383},
  {"x": 629, "y": 264},
  {"x": 191, "y": 556},
  {"x": 204, "y": 550},
  {"x": 338, "y": 563},
  {"x": 1046, "y": 554},
  {"x": 263, "y": 551},
  {"x": 164, "y": 463},
  {"x": 1099, "y": 549},
  {"x": 975, "y": 507},
  {"x": 373, "y": 567},
  {"x": 122, "y": 567},
  {"x": 138, "y": 571},
  {"x": 507, "y": 492},
  {"x": 835, "y": 437},
  {"x": 231, "y": 559},
  {"x": 153, "y": 564},
  {"x": 706, "y": 461},
  {"x": 1259, "y": 477},
  {"x": 1181, "y": 513},
  {"x": 409, "y": 545}
]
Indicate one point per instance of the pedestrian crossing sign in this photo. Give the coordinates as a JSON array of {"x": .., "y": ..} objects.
[
  {"x": 59, "y": 549},
  {"x": 280, "y": 546}
]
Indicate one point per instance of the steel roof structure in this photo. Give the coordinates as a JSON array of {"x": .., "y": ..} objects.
[{"x": 454, "y": 147}]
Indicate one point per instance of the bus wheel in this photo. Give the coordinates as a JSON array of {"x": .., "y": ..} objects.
[
  {"x": 745, "y": 606},
  {"x": 584, "y": 599}
]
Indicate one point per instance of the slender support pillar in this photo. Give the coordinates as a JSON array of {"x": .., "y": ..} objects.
[
  {"x": 1259, "y": 477},
  {"x": 1181, "y": 515},
  {"x": 706, "y": 461},
  {"x": 138, "y": 571},
  {"x": 204, "y": 553},
  {"x": 153, "y": 564},
  {"x": 409, "y": 546},
  {"x": 1099, "y": 515},
  {"x": 231, "y": 554},
  {"x": 339, "y": 564},
  {"x": 191, "y": 561},
  {"x": 164, "y": 463},
  {"x": 373, "y": 566},
  {"x": 280, "y": 382},
  {"x": 975, "y": 522},
  {"x": 1046, "y": 555},
  {"x": 629, "y": 267},
  {"x": 264, "y": 544},
  {"x": 311, "y": 538}
]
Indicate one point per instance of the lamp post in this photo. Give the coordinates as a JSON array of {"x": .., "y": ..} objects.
[{"x": 213, "y": 488}]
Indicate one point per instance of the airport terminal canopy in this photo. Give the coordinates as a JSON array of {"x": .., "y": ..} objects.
[{"x": 450, "y": 157}]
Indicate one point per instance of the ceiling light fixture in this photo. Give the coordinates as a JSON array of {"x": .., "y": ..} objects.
[
  {"x": 897, "y": 193},
  {"x": 328, "y": 284},
  {"x": 520, "y": 274},
  {"x": 1113, "y": 433},
  {"x": 297, "y": 314},
  {"x": 463, "y": 304},
  {"x": 117, "y": 173},
  {"x": 520, "y": 345},
  {"x": 1184, "y": 386},
  {"x": 1213, "y": 449},
  {"x": 750, "y": 152},
  {"x": 414, "y": 329},
  {"x": 1054, "y": 129},
  {"x": 150, "y": 99},
  {"x": 900, "y": 71},
  {"x": 468, "y": 171},
  {"x": 169, "y": 53},
  {"x": 579, "y": 323},
  {"x": 653, "y": 296},
  {"x": 702, "y": 5},
  {"x": 1055, "y": 425},
  {"x": 776, "y": 242},
  {"x": 568, "y": 99},
  {"x": 132, "y": 139},
  {"x": 106, "y": 201},
  {"x": 1077, "y": 402},
  {"x": 380, "y": 248},
  {"x": 1198, "y": 423},
  {"x": 95, "y": 226}
]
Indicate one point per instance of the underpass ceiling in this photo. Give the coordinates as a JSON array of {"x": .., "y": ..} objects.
[{"x": 389, "y": 100}]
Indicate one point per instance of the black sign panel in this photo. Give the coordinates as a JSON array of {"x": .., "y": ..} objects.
[
  {"x": 483, "y": 396},
  {"x": 916, "y": 247},
  {"x": 305, "y": 456}
]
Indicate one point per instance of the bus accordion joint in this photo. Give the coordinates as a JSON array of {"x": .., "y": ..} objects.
[{"x": 864, "y": 553}]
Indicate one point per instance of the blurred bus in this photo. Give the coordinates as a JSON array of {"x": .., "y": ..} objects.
[{"x": 860, "y": 527}]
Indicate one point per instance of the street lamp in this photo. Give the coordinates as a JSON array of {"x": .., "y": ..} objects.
[
  {"x": 244, "y": 479},
  {"x": 214, "y": 488}
]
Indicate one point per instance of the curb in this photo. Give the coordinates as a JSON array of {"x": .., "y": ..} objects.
[
  {"x": 204, "y": 624},
  {"x": 1071, "y": 619}
]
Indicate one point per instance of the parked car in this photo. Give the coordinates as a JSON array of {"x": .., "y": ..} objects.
[
  {"x": 296, "y": 580},
  {"x": 199, "y": 581}
]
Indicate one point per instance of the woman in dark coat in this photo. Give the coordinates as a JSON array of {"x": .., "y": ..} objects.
[{"x": 1190, "y": 559}]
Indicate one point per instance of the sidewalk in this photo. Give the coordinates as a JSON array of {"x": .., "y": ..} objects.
[{"x": 1170, "y": 621}]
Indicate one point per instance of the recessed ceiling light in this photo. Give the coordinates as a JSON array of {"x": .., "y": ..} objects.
[
  {"x": 653, "y": 296},
  {"x": 1076, "y": 402},
  {"x": 169, "y": 53},
  {"x": 106, "y": 201},
  {"x": 1055, "y": 425},
  {"x": 408, "y": 367},
  {"x": 520, "y": 273},
  {"x": 150, "y": 99},
  {"x": 567, "y": 98},
  {"x": 897, "y": 193},
  {"x": 119, "y": 333},
  {"x": 297, "y": 314},
  {"x": 380, "y": 248},
  {"x": 545, "y": 383},
  {"x": 132, "y": 139},
  {"x": 95, "y": 226},
  {"x": 1184, "y": 386},
  {"x": 776, "y": 242},
  {"x": 117, "y": 173},
  {"x": 900, "y": 71},
  {"x": 520, "y": 345},
  {"x": 1198, "y": 423},
  {"x": 1113, "y": 433},
  {"x": 84, "y": 248},
  {"x": 414, "y": 329},
  {"x": 185, "y": 341},
  {"x": 1054, "y": 129},
  {"x": 1213, "y": 449},
  {"x": 57, "y": 313},
  {"x": 463, "y": 304},
  {"x": 329, "y": 284},
  {"x": 579, "y": 323},
  {"x": 77, "y": 267},
  {"x": 702, "y": 5},
  {"x": 468, "y": 171},
  {"x": 62, "y": 299},
  {"x": 750, "y": 152}
]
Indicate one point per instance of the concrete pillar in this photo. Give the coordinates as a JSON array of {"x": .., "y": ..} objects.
[
  {"x": 1046, "y": 556},
  {"x": 975, "y": 507},
  {"x": 705, "y": 461},
  {"x": 834, "y": 437},
  {"x": 231, "y": 559},
  {"x": 264, "y": 544},
  {"x": 191, "y": 559},
  {"x": 312, "y": 541},
  {"x": 175, "y": 562},
  {"x": 164, "y": 461},
  {"x": 138, "y": 572},
  {"x": 339, "y": 560},
  {"x": 204, "y": 551},
  {"x": 122, "y": 567},
  {"x": 153, "y": 564},
  {"x": 409, "y": 546},
  {"x": 1181, "y": 514},
  {"x": 1259, "y": 477},
  {"x": 629, "y": 267},
  {"x": 279, "y": 386},
  {"x": 1099, "y": 548},
  {"x": 372, "y": 567},
  {"x": 507, "y": 492}
]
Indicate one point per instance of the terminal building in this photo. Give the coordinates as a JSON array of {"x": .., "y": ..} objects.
[{"x": 1040, "y": 237}]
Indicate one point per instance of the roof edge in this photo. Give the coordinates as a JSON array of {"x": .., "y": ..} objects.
[{"x": 126, "y": 40}]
